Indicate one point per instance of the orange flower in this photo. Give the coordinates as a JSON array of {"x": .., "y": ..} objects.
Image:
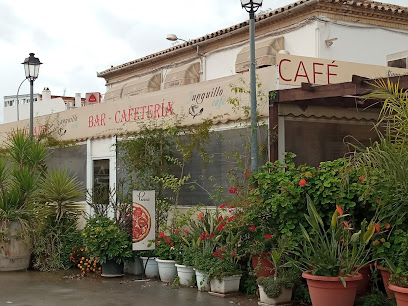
[
  {"x": 346, "y": 224},
  {"x": 387, "y": 226},
  {"x": 200, "y": 215},
  {"x": 377, "y": 228},
  {"x": 339, "y": 209}
]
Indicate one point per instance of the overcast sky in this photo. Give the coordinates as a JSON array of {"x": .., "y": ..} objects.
[{"x": 76, "y": 39}]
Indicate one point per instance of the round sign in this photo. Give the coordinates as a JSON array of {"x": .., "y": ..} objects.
[{"x": 141, "y": 222}]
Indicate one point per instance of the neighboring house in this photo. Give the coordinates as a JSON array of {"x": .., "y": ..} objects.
[{"x": 315, "y": 42}]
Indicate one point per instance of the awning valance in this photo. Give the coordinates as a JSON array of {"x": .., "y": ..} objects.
[
  {"x": 142, "y": 85},
  {"x": 114, "y": 93},
  {"x": 183, "y": 75},
  {"x": 265, "y": 52}
]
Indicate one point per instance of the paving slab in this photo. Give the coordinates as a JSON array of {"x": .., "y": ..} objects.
[{"x": 64, "y": 288}]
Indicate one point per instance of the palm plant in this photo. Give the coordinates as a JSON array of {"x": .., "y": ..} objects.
[
  {"x": 22, "y": 167},
  {"x": 60, "y": 191}
]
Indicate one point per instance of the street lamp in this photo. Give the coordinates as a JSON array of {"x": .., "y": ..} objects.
[
  {"x": 31, "y": 67},
  {"x": 251, "y": 6}
]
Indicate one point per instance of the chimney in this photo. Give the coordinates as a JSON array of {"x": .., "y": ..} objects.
[
  {"x": 77, "y": 100},
  {"x": 46, "y": 94}
]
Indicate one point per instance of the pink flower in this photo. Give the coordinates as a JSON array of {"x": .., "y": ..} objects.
[
  {"x": 252, "y": 228},
  {"x": 302, "y": 182}
]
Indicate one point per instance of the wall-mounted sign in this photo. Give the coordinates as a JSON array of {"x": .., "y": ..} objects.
[
  {"x": 93, "y": 97},
  {"x": 294, "y": 70},
  {"x": 143, "y": 219}
]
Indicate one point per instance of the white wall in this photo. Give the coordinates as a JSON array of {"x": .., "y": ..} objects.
[
  {"x": 360, "y": 43},
  {"x": 40, "y": 108}
]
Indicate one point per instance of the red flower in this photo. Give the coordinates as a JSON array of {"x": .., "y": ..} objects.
[
  {"x": 302, "y": 182},
  {"x": 172, "y": 244},
  {"x": 221, "y": 226},
  {"x": 186, "y": 230},
  {"x": 162, "y": 234},
  {"x": 176, "y": 230},
  {"x": 167, "y": 240},
  {"x": 252, "y": 228},
  {"x": 231, "y": 218},
  {"x": 339, "y": 210},
  {"x": 387, "y": 225},
  {"x": 158, "y": 241},
  {"x": 219, "y": 218},
  {"x": 223, "y": 205},
  {"x": 268, "y": 236},
  {"x": 233, "y": 190},
  {"x": 232, "y": 254},
  {"x": 203, "y": 235}
]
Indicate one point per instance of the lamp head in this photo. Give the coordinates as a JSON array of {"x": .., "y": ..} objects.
[
  {"x": 172, "y": 37},
  {"x": 31, "y": 67},
  {"x": 251, "y": 5}
]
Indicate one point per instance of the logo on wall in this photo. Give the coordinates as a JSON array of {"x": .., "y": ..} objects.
[{"x": 195, "y": 110}]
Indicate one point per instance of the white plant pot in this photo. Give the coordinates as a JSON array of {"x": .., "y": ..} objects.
[
  {"x": 284, "y": 297},
  {"x": 227, "y": 284},
  {"x": 202, "y": 281},
  {"x": 134, "y": 267},
  {"x": 167, "y": 270},
  {"x": 186, "y": 275},
  {"x": 151, "y": 269}
]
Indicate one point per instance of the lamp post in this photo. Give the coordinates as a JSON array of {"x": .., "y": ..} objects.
[
  {"x": 251, "y": 6},
  {"x": 31, "y": 67}
]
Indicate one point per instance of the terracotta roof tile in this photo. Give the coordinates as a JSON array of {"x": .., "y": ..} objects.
[{"x": 367, "y": 4}]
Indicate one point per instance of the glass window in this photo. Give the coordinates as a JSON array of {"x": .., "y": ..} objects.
[{"x": 101, "y": 181}]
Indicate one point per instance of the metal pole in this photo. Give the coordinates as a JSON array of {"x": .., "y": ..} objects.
[
  {"x": 31, "y": 109},
  {"x": 18, "y": 90},
  {"x": 254, "y": 131}
]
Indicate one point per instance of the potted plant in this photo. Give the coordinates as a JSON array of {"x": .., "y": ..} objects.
[
  {"x": 277, "y": 288},
  {"x": 398, "y": 282},
  {"x": 329, "y": 257},
  {"x": 185, "y": 270},
  {"x": 22, "y": 167},
  {"x": 225, "y": 271},
  {"x": 167, "y": 252},
  {"x": 111, "y": 246}
]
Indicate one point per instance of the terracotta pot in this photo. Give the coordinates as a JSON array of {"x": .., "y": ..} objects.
[
  {"x": 266, "y": 265},
  {"x": 365, "y": 271},
  {"x": 386, "y": 276},
  {"x": 325, "y": 290},
  {"x": 401, "y": 295}
]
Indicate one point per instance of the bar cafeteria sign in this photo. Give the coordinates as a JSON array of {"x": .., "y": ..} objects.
[
  {"x": 143, "y": 220},
  {"x": 294, "y": 70}
]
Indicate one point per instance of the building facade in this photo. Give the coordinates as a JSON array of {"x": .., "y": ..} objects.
[{"x": 309, "y": 42}]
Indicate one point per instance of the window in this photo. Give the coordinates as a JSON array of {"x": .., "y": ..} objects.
[
  {"x": 398, "y": 63},
  {"x": 101, "y": 181}
]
